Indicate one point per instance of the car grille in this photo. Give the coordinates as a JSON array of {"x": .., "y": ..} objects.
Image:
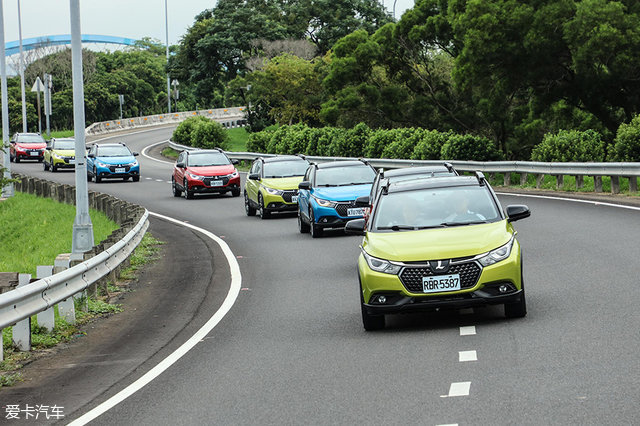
[
  {"x": 67, "y": 159},
  {"x": 287, "y": 195},
  {"x": 119, "y": 166},
  {"x": 411, "y": 277},
  {"x": 342, "y": 207},
  {"x": 209, "y": 181}
]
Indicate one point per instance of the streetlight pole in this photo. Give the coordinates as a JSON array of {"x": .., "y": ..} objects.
[
  {"x": 166, "y": 25},
  {"x": 24, "y": 102},
  {"x": 82, "y": 227},
  {"x": 7, "y": 190}
]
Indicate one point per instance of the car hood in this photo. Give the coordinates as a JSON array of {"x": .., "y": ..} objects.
[
  {"x": 227, "y": 169},
  {"x": 64, "y": 152},
  {"x": 438, "y": 243},
  {"x": 116, "y": 160},
  {"x": 31, "y": 145},
  {"x": 287, "y": 183},
  {"x": 342, "y": 193}
]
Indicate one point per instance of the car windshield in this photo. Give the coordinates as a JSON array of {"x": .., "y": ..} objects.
[
  {"x": 65, "y": 145},
  {"x": 113, "y": 151},
  {"x": 342, "y": 176},
  {"x": 435, "y": 208},
  {"x": 207, "y": 159},
  {"x": 280, "y": 169},
  {"x": 29, "y": 139}
]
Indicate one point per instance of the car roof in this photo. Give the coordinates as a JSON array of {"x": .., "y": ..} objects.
[
  {"x": 415, "y": 170},
  {"x": 62, "y": 139},
  {"x": 27, "y": 134},
  {"x": 437, "y": 182},
  {"x": 282, "y": 158},
  {"x": 204, "y": 151},
  {"x": 347, "y": 163},
  {"x": 111, "y": 144}
]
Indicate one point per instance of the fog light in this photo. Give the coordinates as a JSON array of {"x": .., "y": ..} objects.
[
  {"x": 503, "y": 288},
  {"x": 382, "y": 299}
]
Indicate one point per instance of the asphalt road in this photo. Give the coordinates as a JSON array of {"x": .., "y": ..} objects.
[{"x": 292, "y": 349}]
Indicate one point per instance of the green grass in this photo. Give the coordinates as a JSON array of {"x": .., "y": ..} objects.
[
  {"x": 569, "y": 183},
  {"x": 35, "y": 230},
  {"x": 238, "y": 139},
  {"x": 146, "y": 252},
  {"x": 170, "y": 153},
  {"x": 62, "y": 134}
]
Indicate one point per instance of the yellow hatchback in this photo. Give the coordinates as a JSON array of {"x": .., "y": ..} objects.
[{"x": 60, "y": 154}]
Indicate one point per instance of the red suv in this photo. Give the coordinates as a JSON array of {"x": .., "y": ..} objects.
[
  {"x": 27, "y": 146},
  {"x": 204, "y": 171}
]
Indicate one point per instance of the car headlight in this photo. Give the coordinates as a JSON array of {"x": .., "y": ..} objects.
[
  {"x": 234, "y": 174},
  {"x": 324, "y": 203},
  {"x": 272, "y": 191},
  {"x": 196, "y": 177},
  {"x": 57, "y": 156},
  {"x": 135, "y": 163},
  {"x": 101, "y": 164},
  {"x": 381, "y": 265},
  {"x": 495, "y": 256}
]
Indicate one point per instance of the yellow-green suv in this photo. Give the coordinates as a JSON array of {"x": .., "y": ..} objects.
[
  {"x": 436, "y": 243},
  {"x": 272, "y": 185},
  {"x": 60, "y": 153}
]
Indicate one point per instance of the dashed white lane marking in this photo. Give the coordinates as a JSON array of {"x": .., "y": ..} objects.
[
  {"x": 450, "y": 424},
  {"x": 466, "y": 311},
  {"x": 459, "y": 389},
  {"x": 468, "y": 331},
  {"x": 465, "y": 356},
  {"x": 148, "y": 178},
  {"x": 159, "y": 180}
]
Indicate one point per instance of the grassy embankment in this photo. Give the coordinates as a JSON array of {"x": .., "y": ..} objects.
[{"x": 33, "y": 231}]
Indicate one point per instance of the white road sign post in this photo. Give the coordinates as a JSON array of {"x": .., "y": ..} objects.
[{"x": 38, "y": 87}]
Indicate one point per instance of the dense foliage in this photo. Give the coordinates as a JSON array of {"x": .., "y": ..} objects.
[
  {"x": 570, "y": 145},
  {"x": 627, "y": 142},
  {"x": 201, "y": 132}
]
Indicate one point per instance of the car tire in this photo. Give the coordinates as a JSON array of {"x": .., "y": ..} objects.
[
  {"x": 136, "y": 179},
  {"x": 40, "y": 160},
  {"x": 187, "y": 194},
  {"x": 126, "y": 178},
  {"x": 302, "y": 226},
  {"x": 16, "y": 159},
  {"x": 315, "y": 230},
  {"x": 88, "y": 176},
  {"x": 95, "y": 175},
  {"x": 516, "y": 309},
  {"x": 250, "y": 211},
  {"x": 45, "y": 166},
  {"x": 235, "y": 192},
  {"x": 174, "y": 188},
  {"x": 53, "y": 167},
  {"x": 370, "y": 322},
  {"x": 264, "y": 213}
]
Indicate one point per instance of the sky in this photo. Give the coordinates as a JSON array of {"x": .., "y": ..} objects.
[{"x": 124, "y": 18}]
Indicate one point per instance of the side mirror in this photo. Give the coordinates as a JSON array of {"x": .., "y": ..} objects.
[
  {"x": 517, "y": 212},
  {"x": 48, "y": 148},
  {"x": 355, "y": 227},
  {"x": 305, "y": 185},
  {"x": 254, "y": 176},
  {"x": 180, "y": 165},
  {"x": 363, "y": 201},
  {"x": 234, "y": 162},
  {"x": 91, "y": 156},
  {"x": 135, "y": 154}
]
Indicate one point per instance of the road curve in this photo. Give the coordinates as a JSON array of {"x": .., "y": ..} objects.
[{"x": 292, "y": 349}]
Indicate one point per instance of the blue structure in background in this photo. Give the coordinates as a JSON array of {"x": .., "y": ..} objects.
[{"x": 13, "y": 47}]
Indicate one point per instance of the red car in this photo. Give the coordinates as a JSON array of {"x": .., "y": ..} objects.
[
  {"x": 27, "y": 146},
  {"x": 204, "y": 171}
]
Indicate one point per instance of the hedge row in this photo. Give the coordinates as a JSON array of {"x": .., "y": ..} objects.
[{"x": 201, "y": 132}]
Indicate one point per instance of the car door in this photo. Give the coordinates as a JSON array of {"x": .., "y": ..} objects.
[
  {"x": 178, "y": 172},
  {"x": 304, "y": 195},
  {"x": 91, "y": 159},
  {"x": 253, "y": 186}
]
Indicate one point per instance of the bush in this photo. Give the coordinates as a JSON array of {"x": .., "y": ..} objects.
[
  {"x": 570, "y": 145},
  {"x": 403, "y": 144},
  {"x": 429, "y": 146},
  {"x": 210, "y": 134},
  {"x": 376, "y": 143},
  {"x": 351, "y": 142},
  {"x": 182, "y": 133},
  {"x": 470, "y": 148},
  {"x": 626, "y": 145},
  {"x": 258, "y": 141}
]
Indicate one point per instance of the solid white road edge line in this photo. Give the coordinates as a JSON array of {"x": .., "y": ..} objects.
[
  {"x": 234, "y": 291},
  {"x": 145, "y": 155},
  {"x": 575, "y": 200}
]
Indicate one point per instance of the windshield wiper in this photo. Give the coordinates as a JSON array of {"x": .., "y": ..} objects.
[
  {"x": 397, "y": 228},
  {"x": 328, "y": 184},
  {"x": 353, "y": 183},
  {"x": 463, "y": 223}
]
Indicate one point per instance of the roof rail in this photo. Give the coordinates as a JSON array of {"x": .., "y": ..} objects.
[
  {"x": 481, "y": 179},
  {"x": 381, "y": 172},
  {"x": 304, "y": 157},
  {"x": 449, "y": 167}
]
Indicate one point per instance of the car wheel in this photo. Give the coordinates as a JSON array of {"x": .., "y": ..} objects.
[
  {"x": 302, "y": 226},
  {"x": 187, "y": 194},
  {"x": 516, "y": 309},
  {"x": 95, "y": 175},
  {"x": 316, "y": 231},
  {"x": 88, "y": 176},
  {"x": 40, "y": 160},
  {"x": 370, "y": 322},
  {"x": 53, "y": 167},
  {"x": 264, "y": 213},
  {"x": 174, "y": 188},
  {"x": 235, "y": 192},
  {"x": 136, "y": 179},
  {"x": 247, "y": 206},
  {"x": 45, "y": 166},
  {"x": 17, "y": 159}
]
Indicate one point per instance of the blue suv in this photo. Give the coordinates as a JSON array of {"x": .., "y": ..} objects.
[
  {"x": 112, "y": 160},
  {"x": 327, "y": 195}
]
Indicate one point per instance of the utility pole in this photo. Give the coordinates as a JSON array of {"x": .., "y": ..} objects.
[
  {"x": 166, "y": 24},
  {"x": 121, "y": 99},
  {"x": 82, "y": 227},
  {"x": 7, "y": 190},
  {"x": 24, "y": 101},
  {"x": 47, "y": 101},
  {"x": 176, "y": 92}
]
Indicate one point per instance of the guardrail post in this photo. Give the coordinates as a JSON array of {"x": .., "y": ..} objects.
[
  {"x": 633, "y": 184},
  {"x": 559, "y": 181},
  {"x": 46, "y": 318},
  {"x": 539, "y": 179},
  {"x": 66, "y": 308},
  {"x": 75, "y": 259},
  {"x": 597, "y": 183},
  {"x": 523, "y": 179},
  {"x": 22, "y": 329},
  {"x": 579, "y": 181},
  {"x": 507, "y": 178},
  {"x": 615, "y": 184}
]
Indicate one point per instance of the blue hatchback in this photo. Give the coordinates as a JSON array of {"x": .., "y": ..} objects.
[
  {"x": 112, "y": 160},
  {"x": 327, "y": 195}
]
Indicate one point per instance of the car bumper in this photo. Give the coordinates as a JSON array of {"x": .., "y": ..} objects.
[
  {"x": 327, "y": 217},
  {"x": 486, "y": 291},
  {"x": 200, "y": 187},
  {"x": 29, "y": 156},
  {"x": 106, "y": 173},
  {"x": 62, "y": 164}
]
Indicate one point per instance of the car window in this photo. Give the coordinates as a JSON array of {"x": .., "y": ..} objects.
[
  {"x": 437, "y": 207},
  {"x": 307, "y": 175},
  {"x": 279, "y": 169},
  {"x": 343, "y": 176},
  {"x": 254, "y": 167},
  {"x": 113, "y": 151},
  {"x": 64, "y": 145},
  {"x": 29, "y": 139},
  {"x": 207, "y": 159}
]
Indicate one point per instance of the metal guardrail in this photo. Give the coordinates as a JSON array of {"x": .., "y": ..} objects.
[
  {"x": 229, "y": 117},
  {"x": 597, "y": 170},
  {"x": 38, "y": 296}
]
